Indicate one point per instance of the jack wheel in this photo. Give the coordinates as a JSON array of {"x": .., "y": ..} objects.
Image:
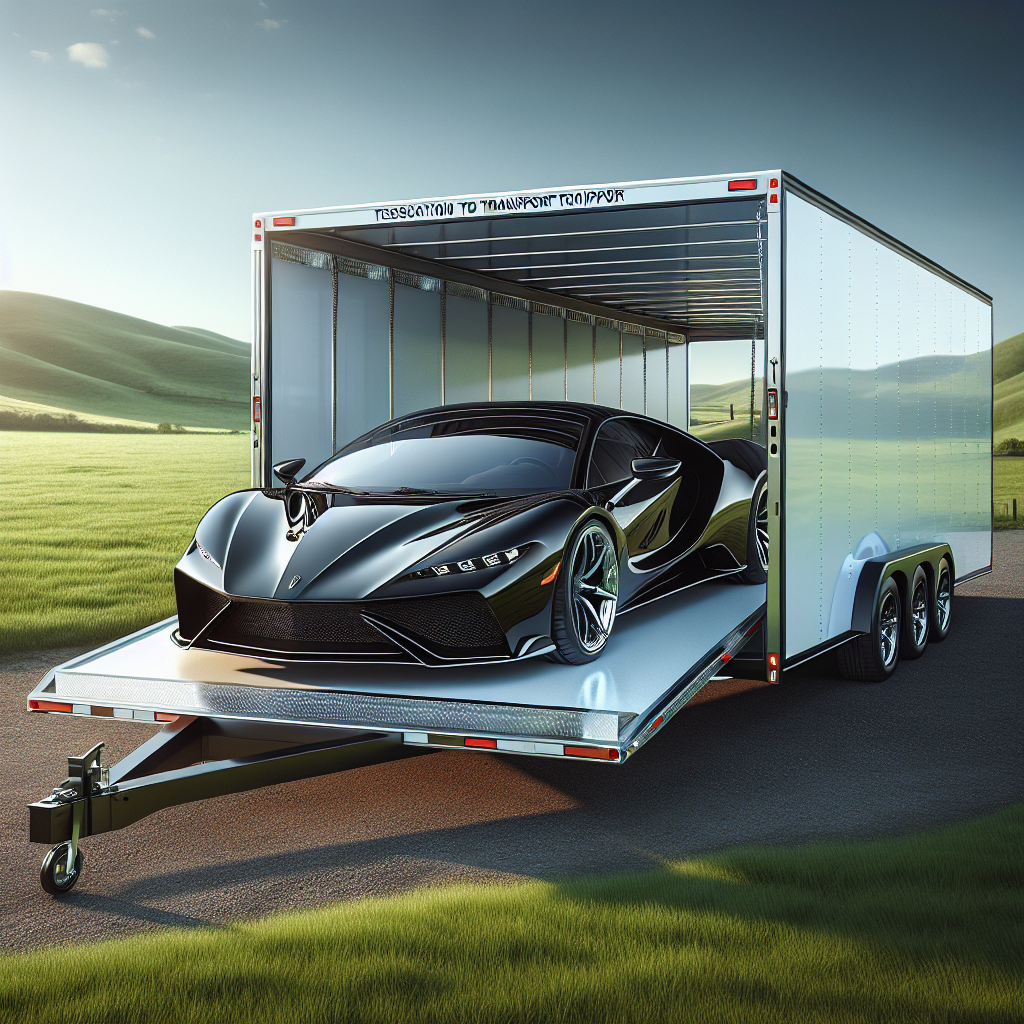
[{"x": 54, "y": 875}]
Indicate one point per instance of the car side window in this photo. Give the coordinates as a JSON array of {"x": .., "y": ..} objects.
[{"x": 617, "y": 444}]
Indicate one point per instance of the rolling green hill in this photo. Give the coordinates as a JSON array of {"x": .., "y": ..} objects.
[
  {"x": 93, "y": 361},
  {"x": 1008, "y": 388}
]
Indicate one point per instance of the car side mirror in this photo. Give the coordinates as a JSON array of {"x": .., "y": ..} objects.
[
  {"x": 654, "y": 469},
  {"x": 287, "y": 471}
]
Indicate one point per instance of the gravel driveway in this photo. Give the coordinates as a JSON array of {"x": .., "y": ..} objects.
[{"x": 815, "y": 758}]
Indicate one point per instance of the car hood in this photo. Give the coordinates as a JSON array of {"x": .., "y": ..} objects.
[{"x": 351, "y": 549}]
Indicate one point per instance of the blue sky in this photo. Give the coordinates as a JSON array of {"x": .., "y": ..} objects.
[{"x": 137, "y": 139}]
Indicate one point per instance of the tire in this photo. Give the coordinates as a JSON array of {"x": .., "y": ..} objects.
[
  {"x": 586, "y": 596},
  {"x": 874, "y": 656},
  {"x": 53, "y": 874},
  {"x": 917, "y": 616},
  {"x": 757, "y": 537},
  {"x": 941, "y": 609}
]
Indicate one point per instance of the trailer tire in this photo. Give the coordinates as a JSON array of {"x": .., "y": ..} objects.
[
  {"x": 53, "y": 874},
  {"x": 873, "y": 657},
  {"x": 941, "y": 605},
  {"x": 756, "y": 570},
  {"x": 589, "y": 568},
  {"x": 917, "y": 616}
]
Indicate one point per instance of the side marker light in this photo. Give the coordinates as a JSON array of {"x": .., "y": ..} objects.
[
  {"x": 598, "y": 752},
  {"x": 550, "y": 578},
  {"x": 474, "y": 741},
  {"x": 743, "y": 184},
  {"x": 48, "y": 705},
  {"x": 774, "y": 183},
  {"x": 773, "y": 668},
  {"x": 257, "y": 237},
  {"x": 284, "y": 222}
]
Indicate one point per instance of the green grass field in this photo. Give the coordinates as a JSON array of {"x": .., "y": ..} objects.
[
  {"x": 920, "y": 928},
  {"x": 1007, "y": 484},
  {"x": 93, "y": 524}
]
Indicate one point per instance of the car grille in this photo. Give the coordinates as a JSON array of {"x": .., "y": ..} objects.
[{"x": 459, "y": 625}]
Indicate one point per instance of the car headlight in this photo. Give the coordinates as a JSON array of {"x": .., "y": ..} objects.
[{"x": 491, "y": 561}]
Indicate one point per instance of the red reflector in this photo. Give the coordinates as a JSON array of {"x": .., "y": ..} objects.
[
  {"x": 473, "y": 741},
  {"x": 162, "y": 716},
  {"x": 606, "y": 755},
  {"x": 284, "y": 222},
  {"x": 773, "y": 661},
  {"x": 258, "y": 224},
  {"x": 726, "y": 657},
  {"x": 256, "y": 409},
  {"x": 48, "y": 705},
  {"x": 257, "y": 238},
  {"x": 551, "y": 575},
  {"x": 774, "y": 197},
  {"x": 774, "y": 183},
  {"x": 657, "y": 721},
  {"x": 742, "y": 184}
]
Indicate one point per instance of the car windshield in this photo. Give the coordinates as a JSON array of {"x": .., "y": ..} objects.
[{"x": 476, "y": 463}]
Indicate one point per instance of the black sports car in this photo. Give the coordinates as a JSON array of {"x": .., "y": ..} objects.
[{"x": 473, "y": 533}]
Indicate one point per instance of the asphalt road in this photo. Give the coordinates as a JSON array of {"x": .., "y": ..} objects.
[{"x": 816, "y": 758}]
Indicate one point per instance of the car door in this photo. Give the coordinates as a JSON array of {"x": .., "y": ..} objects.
[{"x": 644, "y": 512}]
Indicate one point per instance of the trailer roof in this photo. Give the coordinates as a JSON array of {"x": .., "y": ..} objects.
[{"x": 687, "y": 252}]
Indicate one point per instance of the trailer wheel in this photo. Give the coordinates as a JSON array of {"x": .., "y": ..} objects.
[
  {"x": 54, "y": 874},
  {"x": 586, "y": 596},
  {"x": 918, "y": 613},
  {"x": 757, "y": 537},
  {"x": 941, "y": 607},
  {"x": 873, "y": 657}
]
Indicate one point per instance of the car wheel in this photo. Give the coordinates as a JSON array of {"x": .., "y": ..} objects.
[
  {"x": 586, "y": 596},
  {"x": 941, "y": 609},
  {"x": 915, "y": 621},
  {"x": 873, "y": 657},
  {"x": 757, "y": 537}
]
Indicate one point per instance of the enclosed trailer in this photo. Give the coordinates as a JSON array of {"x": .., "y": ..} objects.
[{"x": 729, "y": 306}]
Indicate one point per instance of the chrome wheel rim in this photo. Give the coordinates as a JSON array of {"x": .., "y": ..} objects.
[
  {"x": 919, "y": 610},
  {"x": 64, "y": 872},
  {"x": 889, "y": 628},
  {"x": 761, "y": 528},
  {"x": 942, "y": 600},
  {"x": 595, "y": 588}
]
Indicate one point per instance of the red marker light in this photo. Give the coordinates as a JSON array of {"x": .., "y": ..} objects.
[
  {"x": 774, "y": 183},
  {"x": 284, "y": 222},
  {"x": 657, "y": 721},
  {"x": 48, "y": 705},
  {"x": 743, "y": 184},
  {"x": 774, "y": 198},
  {"x": 258, "y": 224},
  {"x": 773, "y": 403},
  {"x": 473, "y": 741},
  {"x": 726, "y": 657},
  {"x": 258, "y": 238},
  {"x": 163, "y": 716},
  {"x": 773, "y": 668},
  {"x": 599, "y": 752},
  {"x": 256, "y": 409}
]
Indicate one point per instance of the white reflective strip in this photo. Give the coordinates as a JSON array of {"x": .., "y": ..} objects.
[
  {"x": 414, "y": 737},
  {"x": 122, "y": 712},
  {"x": 81, "y": 709},
  {"x": 144, "y": 716},
  {"x": 519, "y": 746},
  {"x": 548, "y": 748}
]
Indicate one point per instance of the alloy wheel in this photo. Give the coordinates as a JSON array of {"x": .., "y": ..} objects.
[
  {"x": 595, "y": 588},
  {"x": 919, "y": 611},
  {"x": 942, "y": 602},
  {"x": 761, "y": 528},
  {"x": 889, "y": 628}
]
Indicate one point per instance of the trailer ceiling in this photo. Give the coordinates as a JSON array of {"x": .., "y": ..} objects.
[{"x": 698, "y": 265}]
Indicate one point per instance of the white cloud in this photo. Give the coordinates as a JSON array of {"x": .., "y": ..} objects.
[
  {"x": 90, "y": 55},
  {"x": 145, "y": 33},
  {"x": 269, "y": 24},
  {"x": 41, "y": 55}
]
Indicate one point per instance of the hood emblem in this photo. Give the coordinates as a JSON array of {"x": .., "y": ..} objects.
[{"x": 295, "y": 579}]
